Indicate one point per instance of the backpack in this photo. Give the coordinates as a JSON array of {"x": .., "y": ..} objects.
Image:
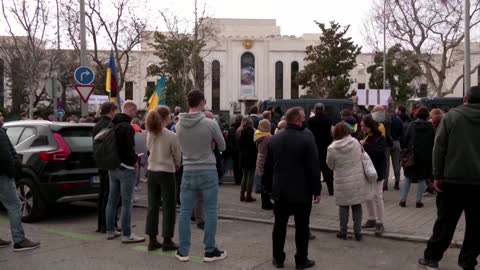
[{"x": 105, "y": 150}]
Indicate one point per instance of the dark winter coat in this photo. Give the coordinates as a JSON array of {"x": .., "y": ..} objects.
[
  {"x": 321, "y": 127},
  {"x": 125, "y": 137},
  {"x": 375, "y": 146},
  {"x": 247, "y": 148},
  {"x": 8, "y": 156},
  {"x": 420, "y": 134},
  {"x": 291, "y": 170},
  {"x": 457, "y": 150},
  {"x": 102, "y": 123}
]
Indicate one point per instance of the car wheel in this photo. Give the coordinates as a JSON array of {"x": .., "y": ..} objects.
[{"x": 33, "y": 207}]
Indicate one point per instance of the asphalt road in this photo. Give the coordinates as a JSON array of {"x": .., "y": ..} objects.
[{"x": 68, "y": 241}]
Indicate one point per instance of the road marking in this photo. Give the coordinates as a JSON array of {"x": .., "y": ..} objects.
[
  {"x": 194, "y": 259},
  {"x": 80, "y": 236}
]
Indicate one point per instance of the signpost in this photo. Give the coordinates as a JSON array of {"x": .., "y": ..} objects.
[
  {"x": 84, "y": 76},
  {"x": 54, "y": 89},
  {"x": 85, "y": 91}
]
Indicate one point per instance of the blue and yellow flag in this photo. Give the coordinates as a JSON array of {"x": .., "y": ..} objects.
[
  {"x": 111, "y": 85},
  {"x": 159, "y": 96}
]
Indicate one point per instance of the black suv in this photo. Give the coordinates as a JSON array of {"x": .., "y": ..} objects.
[{"x": 58, "y": 164}]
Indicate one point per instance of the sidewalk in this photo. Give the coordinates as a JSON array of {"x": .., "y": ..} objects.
[{"x": 408, "y": 224}]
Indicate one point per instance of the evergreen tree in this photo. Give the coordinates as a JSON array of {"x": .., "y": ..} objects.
[{"x": 329, "y": 63}]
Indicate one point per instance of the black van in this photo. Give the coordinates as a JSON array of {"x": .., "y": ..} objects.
[
  {"x": 443, "y": 103},
  {"x": 333, "y": 107}
]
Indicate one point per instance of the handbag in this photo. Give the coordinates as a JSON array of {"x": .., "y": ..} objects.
[
  {"x": 407, "y": 158},
  {"x": 368, "y": 167}
]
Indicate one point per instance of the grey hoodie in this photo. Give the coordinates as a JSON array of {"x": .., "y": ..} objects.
[{"x": 196, "y": 133}]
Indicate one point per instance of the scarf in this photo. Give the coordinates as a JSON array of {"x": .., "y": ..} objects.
[{"x": 260, "y": 134}]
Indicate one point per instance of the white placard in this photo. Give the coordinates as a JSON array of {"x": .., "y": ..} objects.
[
  {"x": 362, "y": 97},
  {"x": 97, "y": 99},
  {"x": 384, "y": 96},
  {"x": 372, "y": 97}
]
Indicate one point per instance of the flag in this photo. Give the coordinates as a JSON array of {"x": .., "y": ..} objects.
[
  {"x": 159, "y": 95},
  {"x": 111, "y": 85}
]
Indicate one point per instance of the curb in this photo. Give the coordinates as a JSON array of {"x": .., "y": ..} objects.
[{"x": 387, "y": 235}]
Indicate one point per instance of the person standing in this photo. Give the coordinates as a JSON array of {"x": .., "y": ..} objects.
[
  {"x": 122, "y": 179},
  {"x": 420, "y": 136},
  {"x": 375, "y": 145},
  {"x": 254, "y": 115},
  {"x": 164, "y": 158},
  {"x": 107, "y": 112},
  {"x": 321, "y": 127},
  {"x": 8, "y": 196},
  {"x": 248, "y": 159},
  {"x": 196, "y": 133},
  {"x": 268, "y": 116},
  {"x": 456, "y": 153},
  {"x": 232, "y": 143},
  {"x": 395, "y": 136},
  {"x": 350, "y": 184},
  {"x": 262, "y": 137},
  {"x": 292, "y": 176}
]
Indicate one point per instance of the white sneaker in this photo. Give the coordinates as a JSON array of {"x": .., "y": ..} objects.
[
  {"x": 181, "y": 257},
  {"x": 132, "y": 239},
  {"x": 113, "y": 235}
]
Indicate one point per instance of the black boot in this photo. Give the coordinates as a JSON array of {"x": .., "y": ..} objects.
[
  {"x": 266, "y": 203},
  {"x": 153, "y": 244}
]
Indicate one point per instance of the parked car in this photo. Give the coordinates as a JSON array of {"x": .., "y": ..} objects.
[
  {"x": 443, "y": 103},
  {"x": 333, "y": 107},
  {"x": 58, "y": 164}
]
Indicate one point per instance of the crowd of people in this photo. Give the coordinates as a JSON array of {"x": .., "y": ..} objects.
[{"x": 284, "y": 162}]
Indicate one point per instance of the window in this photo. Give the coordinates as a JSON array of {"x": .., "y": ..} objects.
[
  {"x": 361, "y": 86},
  {"x": 215, "y": 86},
  {"x": 294, "y": 85},
  {"x": 279, "y": 80},
  {"x": 151, "y": 85},
  {"x": 41, "y": 140},
  {"x": 423, "y": 90},
  {"x": 27, "y": 134},
  {"x": 78, "y": 138},
  {"x": 201, "y": 76},
  {"x": 247, "y": 75},
  {"x": 14, "y": 134},
  {"x": 128, "y": 90}
]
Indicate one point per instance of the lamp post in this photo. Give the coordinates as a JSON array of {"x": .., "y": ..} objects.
[{"x": 466, "y": 73}]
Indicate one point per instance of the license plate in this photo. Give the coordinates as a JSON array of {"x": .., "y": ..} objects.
[{"x": 95, "y": 180}]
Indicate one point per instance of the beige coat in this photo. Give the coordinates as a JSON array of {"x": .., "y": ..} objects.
[
  {"x": 164, "y": 150},
  {"x": 350, "y": 184}
]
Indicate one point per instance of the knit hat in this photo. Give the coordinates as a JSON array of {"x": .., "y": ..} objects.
[{"x": 264, "y": 125}]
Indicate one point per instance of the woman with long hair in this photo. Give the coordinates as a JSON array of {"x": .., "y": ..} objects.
[
  {"x": 163, "y": 160},
  {"x": 420, "y": 136},
  {"x": 248, "y": 158},
  {"x": 375, "y": 145}
]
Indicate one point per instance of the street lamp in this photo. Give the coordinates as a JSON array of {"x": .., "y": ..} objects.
[{"x": 466, "y": 73}]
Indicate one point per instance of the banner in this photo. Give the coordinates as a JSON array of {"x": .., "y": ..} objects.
[{"x": 247, "y": 84}]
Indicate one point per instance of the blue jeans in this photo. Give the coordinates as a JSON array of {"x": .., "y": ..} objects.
[
  {"x": 406, "y": 188},
  {"x": 258, "y": 184},
  {"x": 122, "y": 183},
  {"x": 9, "y": 199},
  {"x": 206, "y": 182}
]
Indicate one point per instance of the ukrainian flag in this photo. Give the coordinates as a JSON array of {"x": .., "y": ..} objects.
[
  {"x": 111, "y": 85},
  {"x": 159, "y": 96}
]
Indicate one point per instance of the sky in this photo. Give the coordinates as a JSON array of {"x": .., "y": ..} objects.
[{"x": 294, "y": 17}]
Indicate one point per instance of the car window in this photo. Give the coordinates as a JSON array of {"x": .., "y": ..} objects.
[
  {"x": 27, "y": 133},
  {"x": 78, "y": 138},
  {"x": 14, "y": 134}
]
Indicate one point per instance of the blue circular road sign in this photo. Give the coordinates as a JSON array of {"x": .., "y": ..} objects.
[
  {"x": 84, "y": 75},
  {"x": 60, "y": 113}
]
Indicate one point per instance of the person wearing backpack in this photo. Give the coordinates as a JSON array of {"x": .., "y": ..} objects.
[
  {"x": 107, "y": 112},
  {"x": 122, "y": 178}
]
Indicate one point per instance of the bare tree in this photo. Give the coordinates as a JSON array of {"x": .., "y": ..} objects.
[
  {"x": 433, "y": 30},
  {"x": 121, "y": 32},
  {"x": 26, "y": 60}
]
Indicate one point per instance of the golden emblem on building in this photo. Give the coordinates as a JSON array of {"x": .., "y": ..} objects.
[{"x": 248, "y": 44}]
